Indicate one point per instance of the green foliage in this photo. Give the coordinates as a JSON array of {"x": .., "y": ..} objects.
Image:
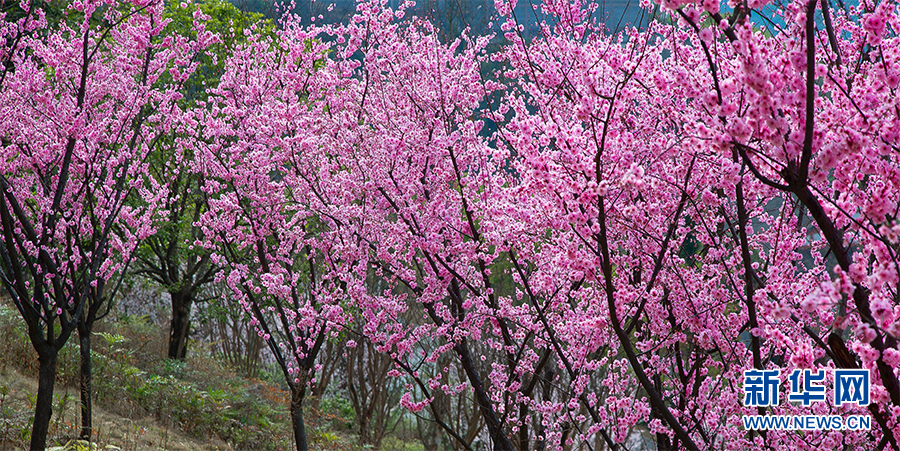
[
  {"x": 203, "y": 402},
  {"x": 172, "y": 367},
  {"x": 339, "y": 410},
  {"x": 324, "y": 436},
  {"x": 234, "y": 416},
  {"x": 62, "y": 403},
  {"x": 272, "y": 375},
  {"x": 12, "y": 424},
  {"x": 228, "y": 22},
  {"x": 111, "y": 339},
  {"x": 394, "y": 443},
  {"x": 14, "y": 342}
]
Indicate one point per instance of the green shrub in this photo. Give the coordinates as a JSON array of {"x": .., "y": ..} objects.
[{"x": 339, "y": 410}]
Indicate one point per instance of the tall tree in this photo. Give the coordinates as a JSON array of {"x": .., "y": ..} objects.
[
  {"x": 79, "y": 116},
  {"x": 171, "y": 257},
  {"x": 258, "y": 222},
  {"x": 806, "y": 129}
]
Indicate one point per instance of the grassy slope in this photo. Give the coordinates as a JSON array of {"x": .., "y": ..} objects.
[
  {"x": 146, "y": 402},
  {"x": 111, "y": 429}
]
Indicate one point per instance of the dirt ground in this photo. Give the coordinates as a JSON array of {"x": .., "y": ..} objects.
[{"x": 111, "y": 431}]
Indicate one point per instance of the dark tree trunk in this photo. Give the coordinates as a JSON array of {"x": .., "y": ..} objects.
[
  {"x": 364, "y": 437},
  {"x": 501, "y": 441},
  {"x": 181, "y": 325},
  {"x": 84, "y": 341},
  {"x": 298, "y": 392},
  {"x": 43, "y": 408}
]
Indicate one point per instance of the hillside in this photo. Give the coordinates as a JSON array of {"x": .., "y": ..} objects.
[{"x": 145, "y": 402}]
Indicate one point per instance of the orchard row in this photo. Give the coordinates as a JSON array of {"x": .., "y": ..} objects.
[{"x": 582, "y": 232}]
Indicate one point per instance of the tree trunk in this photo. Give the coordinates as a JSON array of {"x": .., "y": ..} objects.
[
  {"x": 181, "y": 324},
  {"x": 84, "y": 342},
  {"x": 364, "y": 437},
  {"x": 297, "y": 394},
  {"x": 43, "y": 408},
  {"x": 500, "y": 440}
]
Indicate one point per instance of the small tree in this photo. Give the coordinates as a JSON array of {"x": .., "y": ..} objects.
[{"x": 373, "y": 393}]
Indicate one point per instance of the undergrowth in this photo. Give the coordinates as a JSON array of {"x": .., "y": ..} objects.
[{"x": 202, "y": 397}]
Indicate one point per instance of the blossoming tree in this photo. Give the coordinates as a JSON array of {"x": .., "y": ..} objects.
[
  {"x": 624, "y": 223},
  {"x": 584, "y": 234},
  {"x": 253, "y": 135},
  {"x": 80, "y": 109},
  {"x": 650, "y": 246}
]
